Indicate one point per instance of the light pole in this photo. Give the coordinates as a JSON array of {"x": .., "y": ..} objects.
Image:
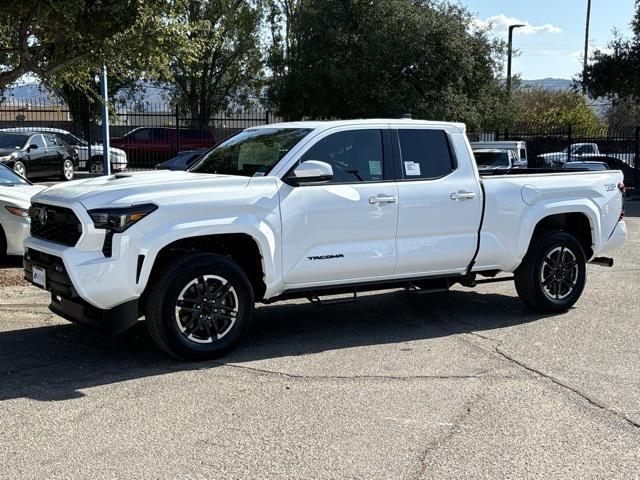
[
  {"x": 586, "y": 48},
  {"x": 105, "y": 121},
  {"x": 510, "y": 54}
]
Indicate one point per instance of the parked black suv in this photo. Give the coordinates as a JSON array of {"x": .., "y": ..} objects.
[{"x": 37, "y": 155}]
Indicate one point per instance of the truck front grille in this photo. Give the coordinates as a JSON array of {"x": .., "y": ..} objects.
[{"x": 56, "y": 224}]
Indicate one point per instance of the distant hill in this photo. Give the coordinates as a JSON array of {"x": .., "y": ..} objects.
[
  {"x": 549, "y": 83},
  {"x": 35, "y": 92},
  {"x": 156, "y": 98}
]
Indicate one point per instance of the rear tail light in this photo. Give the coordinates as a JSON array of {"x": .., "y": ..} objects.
[{"x": 622, "y": 189}]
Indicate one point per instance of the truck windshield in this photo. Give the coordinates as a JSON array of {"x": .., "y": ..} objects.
[
  {"x": 492, "y": 159},
  {"x": 251, "y": 152},
  {"x": 12, "y": 140}
]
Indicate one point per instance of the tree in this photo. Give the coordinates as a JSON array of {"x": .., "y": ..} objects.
[
  {"x": 137, "y": 53},
  {"x": 553, "y": 109},
  {"x": 215, "y": 56},
  {"x": 614, "y": 73},
  {"x": 48, "y": 37},
  {"x": 357, "y": 58},
  {"x": 621, "y": 114}
]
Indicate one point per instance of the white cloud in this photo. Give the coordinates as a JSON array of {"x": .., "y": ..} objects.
[
  {"x": 579, "y": 55},
  {"x": 500, "y": 23}
]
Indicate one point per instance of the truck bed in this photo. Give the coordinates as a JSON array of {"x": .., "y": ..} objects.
[{"x": 515, "y": 199}]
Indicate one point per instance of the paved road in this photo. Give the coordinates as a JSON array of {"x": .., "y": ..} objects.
[{"x": 461, "y": 385}]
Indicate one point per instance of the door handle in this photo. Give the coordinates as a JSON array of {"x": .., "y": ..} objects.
[
  {"x": 382, "y": 198},
  {"x": 462, "y": 195}
]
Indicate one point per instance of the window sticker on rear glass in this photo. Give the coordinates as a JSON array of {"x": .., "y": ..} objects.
[{"x": 412, "y": 168}]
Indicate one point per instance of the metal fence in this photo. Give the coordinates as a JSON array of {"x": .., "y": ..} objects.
[
  {"x": 544, "y": 143},
  {"x": 149, "y": 134},
  {"x": 154, "y": 132}
]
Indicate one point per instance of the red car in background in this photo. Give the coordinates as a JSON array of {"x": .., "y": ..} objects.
[{"x": 148, "y": 146}]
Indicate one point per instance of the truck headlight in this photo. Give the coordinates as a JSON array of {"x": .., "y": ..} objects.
[{"x": 118, "y": 220}]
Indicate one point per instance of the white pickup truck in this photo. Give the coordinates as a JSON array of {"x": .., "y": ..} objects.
[
  {"x": 581, "y": 151},
  {"x": 311, "y": 209}
]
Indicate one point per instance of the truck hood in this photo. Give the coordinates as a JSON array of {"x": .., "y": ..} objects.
[
  {"x": 125, "y": 189},
  {"x": 19, "y": 195}
]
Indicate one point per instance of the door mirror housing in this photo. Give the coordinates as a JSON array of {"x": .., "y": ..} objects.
[
  {"x": 309, "y": 172},
  {"x": 32, "y": 147}
]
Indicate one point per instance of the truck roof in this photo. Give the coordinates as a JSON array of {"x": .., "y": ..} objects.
[{"x": 326, "y": 124}]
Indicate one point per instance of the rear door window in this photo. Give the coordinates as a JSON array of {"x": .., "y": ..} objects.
[
  {"x": 38, "y": 141},
  {"x": 425, "y": 154},
  {"x": 52, "y": 141}
]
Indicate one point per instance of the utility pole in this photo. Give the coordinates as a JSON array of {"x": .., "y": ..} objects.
[
  {"x": 105, "y": 121},
  {"x": 586, "y": 47},
  {"x": 510, "y": 54}
]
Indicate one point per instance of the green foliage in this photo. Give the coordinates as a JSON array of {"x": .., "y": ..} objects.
[
  {"x": 49, "y": 37},
  {"x": 615, "y": 73},
  {"x": 553, "y": 109},
  {"x": 357, "y": 58},
  {"x": 215, "y": 56}
]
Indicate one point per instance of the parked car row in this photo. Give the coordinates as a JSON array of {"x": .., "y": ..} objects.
[
  {"x": 146, "y": 147},
  {"x": 581, "y": 151},
  {"x": 90, "y": 157},
  {"x": 38, "y": 155}
]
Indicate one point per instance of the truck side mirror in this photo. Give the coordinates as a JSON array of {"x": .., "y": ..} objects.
[{"x": 309, "y": 172}]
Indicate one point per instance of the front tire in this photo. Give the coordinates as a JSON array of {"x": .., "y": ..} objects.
[
  {"x": 199, "y": 307},
  {"x": 68, "y": 170},
  {"x": 553, "y": 273}
]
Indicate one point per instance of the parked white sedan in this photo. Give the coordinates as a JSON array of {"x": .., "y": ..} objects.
[{"x": 15, "y": 200}]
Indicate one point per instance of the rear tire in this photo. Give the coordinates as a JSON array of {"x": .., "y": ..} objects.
[
  {"x": 553, "y": 273},
  {"x": 68, "y": 170},
  {"x": 199, "y": 306},
  {"x": 20, "y": 168}
]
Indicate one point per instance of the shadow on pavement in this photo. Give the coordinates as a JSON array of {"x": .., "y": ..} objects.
[
  {"x": 632, "y": 208},
  {"x": 10, "y": 261},
  {"x": 57, "y": 362}
]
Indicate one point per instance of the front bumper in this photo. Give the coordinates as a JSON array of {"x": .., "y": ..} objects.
[{"x": 66, "y": 302}]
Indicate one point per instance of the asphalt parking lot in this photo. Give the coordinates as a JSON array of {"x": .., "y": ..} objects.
[{"x": 468, "y": 384}]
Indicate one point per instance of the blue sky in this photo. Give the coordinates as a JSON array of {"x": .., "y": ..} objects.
[{"x": 552, "y": 45}]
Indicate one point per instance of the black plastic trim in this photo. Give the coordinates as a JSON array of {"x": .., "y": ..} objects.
[
  {"x": 114, "y": 320},
  {"x": 484, "y": 205},
  {"x": 139, "y": 267},
  {"x": 359, "y": 286}
]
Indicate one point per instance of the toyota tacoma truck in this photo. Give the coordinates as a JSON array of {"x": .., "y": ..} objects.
[{"x": 312, "y": 210}]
